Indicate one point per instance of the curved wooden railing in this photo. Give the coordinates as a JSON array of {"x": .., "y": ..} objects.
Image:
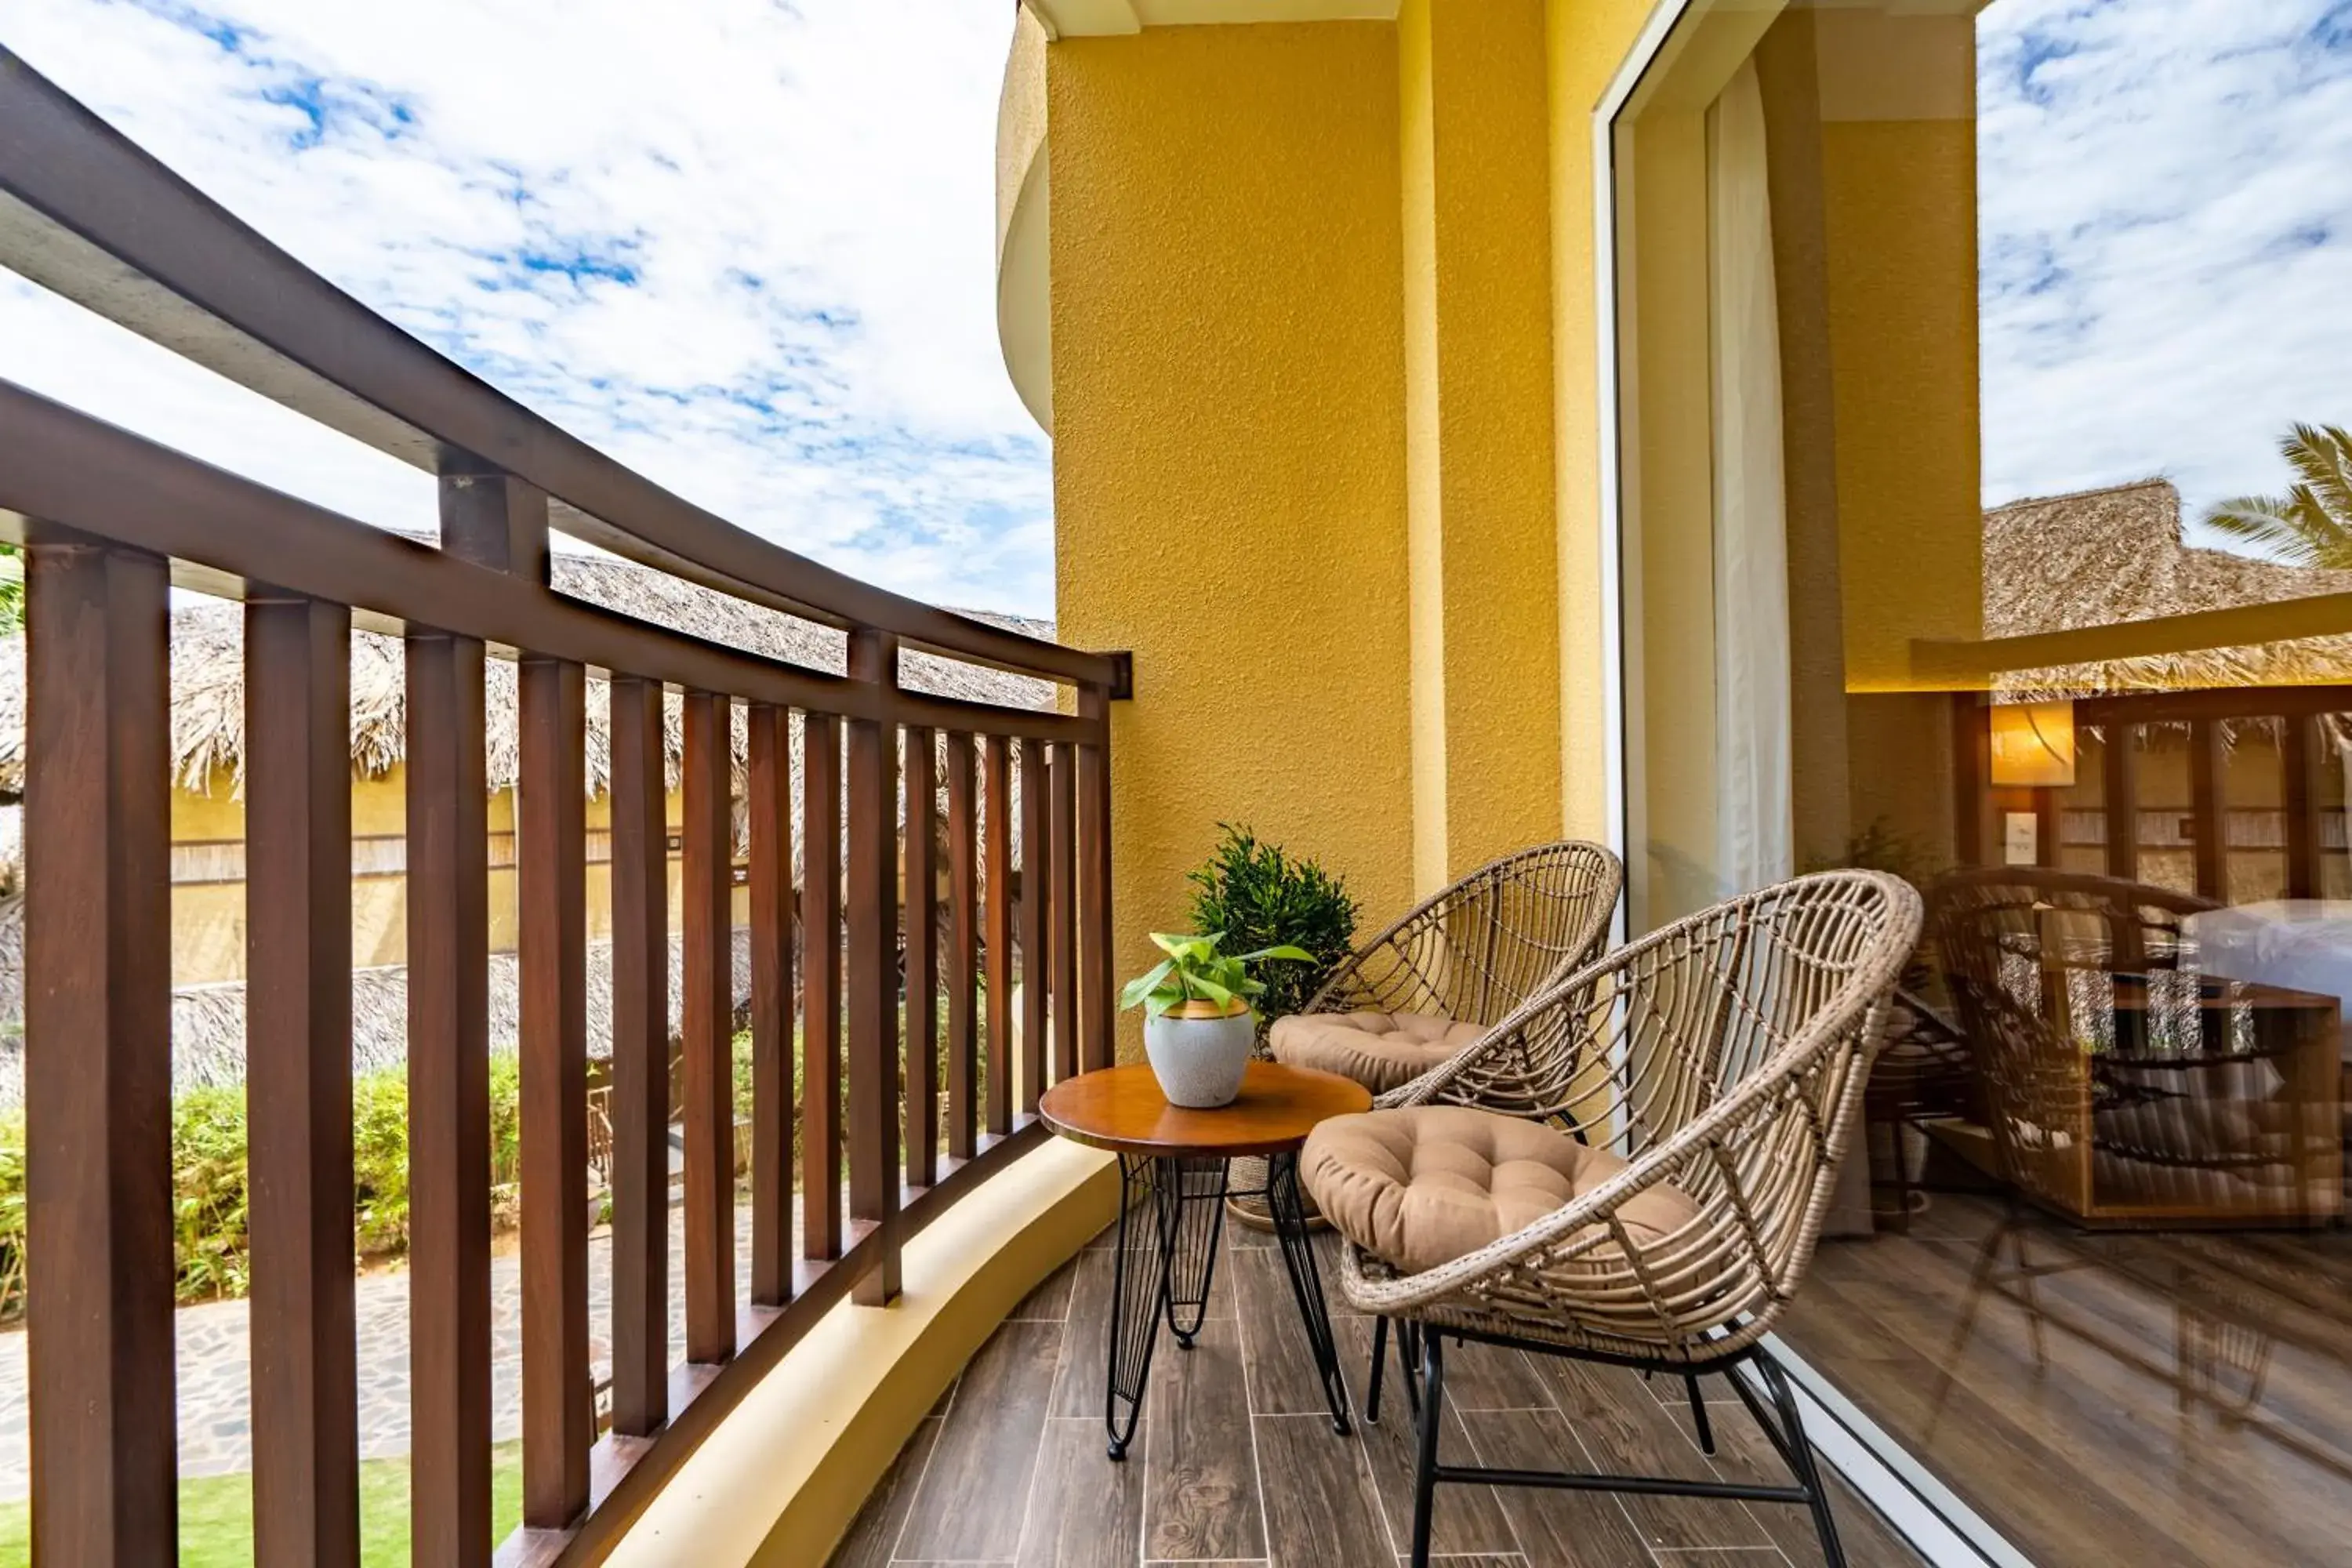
[{"x": 111, "y": 523}]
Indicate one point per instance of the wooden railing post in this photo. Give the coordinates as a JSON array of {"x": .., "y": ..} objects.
[
  {"x": 98, "y": 1059},
  {"x": 964, "y": 948},
  {"x": 298, "y": 849},
  {"x": 708, "y": 1016},
  {"x": 922, "y": 941},
  {"x": 1062, "y": 911},
  {"x": 448, "y": 1104},
  {"x": 1036, "y": 884},
  {"x": 2209, "y": 806},
  {"x": 820, "y": 1218},
  {"x": 2119, "y": 787},
  {"x": 767, "y": 808},
  {"x": 996, "y": 875},
  {"x": 1098, "y": 995},
  {"x": 2302, "y": 757},
  {"x": 551, "y": 863},
  {"x": 873, "y": 973},
  {"x": 640, "y": 1062}
]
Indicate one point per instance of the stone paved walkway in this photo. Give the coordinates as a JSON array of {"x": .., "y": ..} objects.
[{"x": 213, "y": 1362}]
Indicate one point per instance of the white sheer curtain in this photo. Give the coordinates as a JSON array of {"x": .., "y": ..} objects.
[{"x": 1753, "y": 832}]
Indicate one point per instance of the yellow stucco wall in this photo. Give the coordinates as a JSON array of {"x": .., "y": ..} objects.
[
  {"x": 208, "y": 916},
  {"x": 1229, "y": 442},
  {"x": 1329, "y": 448},
  {"x": 1586, "y": 43},
  {"x": 1486, "y": 688}
]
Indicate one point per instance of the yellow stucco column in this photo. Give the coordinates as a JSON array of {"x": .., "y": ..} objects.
[
  {"x": 1485, "y": 642},
  {"x": 1229, "y": 443}
]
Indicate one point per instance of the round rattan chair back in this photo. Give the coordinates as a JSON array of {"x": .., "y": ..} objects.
[
  {"x": 1724, "y": 1054},
  {"x": 1481, "y": 947}
]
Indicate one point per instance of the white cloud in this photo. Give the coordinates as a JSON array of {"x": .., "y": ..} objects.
[
  {"x": 744, "y": 245},
  {"x": 2165, "y": 203}
]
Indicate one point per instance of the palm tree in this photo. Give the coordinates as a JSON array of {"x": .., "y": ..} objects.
[{"x": 2310, "y": 525}]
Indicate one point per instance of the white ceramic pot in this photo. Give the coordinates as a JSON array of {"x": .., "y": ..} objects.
[{"x": 1198, "y": 1052}]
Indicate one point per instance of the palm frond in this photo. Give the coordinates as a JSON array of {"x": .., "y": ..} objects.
[
  {"x": 2294, "y": 527},
  {"x": 2321, "y": 457}
]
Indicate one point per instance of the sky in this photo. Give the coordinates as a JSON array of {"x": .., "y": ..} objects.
[
  {"x": 2165, "y": 193},
  {"x": 747, "y": 247}
]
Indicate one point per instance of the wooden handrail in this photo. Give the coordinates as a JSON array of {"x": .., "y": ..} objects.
[
  {"x": 111, "y": 520},
  {"x": 98, "y": 220},
  {"x": 1940, "y": 663}
]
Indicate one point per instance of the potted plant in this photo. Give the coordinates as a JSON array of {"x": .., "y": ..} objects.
[{"x": 1197, "y": 1028}]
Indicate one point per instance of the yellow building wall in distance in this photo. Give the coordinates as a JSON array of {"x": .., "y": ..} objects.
[{"x": 1229, "y": 443}]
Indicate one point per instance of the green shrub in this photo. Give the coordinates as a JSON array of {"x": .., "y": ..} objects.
[
  {"x": 211, "y": 1242},
  {"x": 208, "y": 1194},
  {"x": 1258, "y": 896}
]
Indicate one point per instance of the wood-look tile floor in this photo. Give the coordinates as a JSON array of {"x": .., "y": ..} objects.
[
  {"x": 1235, "y": 1462},
  {"x": 2173, "y": 1400}
]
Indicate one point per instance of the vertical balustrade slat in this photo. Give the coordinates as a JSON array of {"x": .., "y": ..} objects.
[
  {"x": 769, "y": 811},
  {"x": 640, "y": 1094},
  {"x": 1096, "y": 1007},
  {"x": 2303, "y": 758},
  {"x": 448, "y": 1104},
  {"x": 1036, "y": 877},
  {"x": 708, "y": 1018},
  {"x": 558, "y": 1420},
  {"x": 820, "y": 1235},
  {"x": 2209, "y": 806},
  {"x": 996, "y": 871},
  {"x": 1061, "y": 910},
  {"x": 297, "y": 848},
  {"x": 2119, "y": 791},
  {"x": 98, "y": 1069},
  {"x": 922, "y": 887},
  {"x": 963, "y": 944},
  {"x": 873, "y": 970}
]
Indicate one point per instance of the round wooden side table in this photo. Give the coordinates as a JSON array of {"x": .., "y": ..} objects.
[{"x": 1177, "y": 1158}]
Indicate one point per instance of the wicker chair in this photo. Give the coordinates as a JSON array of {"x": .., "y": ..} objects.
[
  {"x": 1452, "y": 965},
  {"x": 1459, "y": 963},
  {"x": 1724, "y": 1057}
]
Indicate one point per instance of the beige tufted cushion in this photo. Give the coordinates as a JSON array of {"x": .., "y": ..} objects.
[
  {"x": 1380, "y": 1050},
  {"x": 1425, "y": 1185}
]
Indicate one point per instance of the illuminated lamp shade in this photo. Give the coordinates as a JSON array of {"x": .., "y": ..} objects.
[{"x": 2033, "y": 746}]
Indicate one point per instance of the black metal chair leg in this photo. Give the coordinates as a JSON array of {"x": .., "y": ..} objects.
[
  {"x": 1800, "y": 1449},
  {"x": 1424, "y": 1474},
  {"x": 1380, "y": 1364},
  {"x": 1699, "y": 1413}
]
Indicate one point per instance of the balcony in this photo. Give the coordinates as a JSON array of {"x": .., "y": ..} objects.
[{"x": 881, "y": 818}]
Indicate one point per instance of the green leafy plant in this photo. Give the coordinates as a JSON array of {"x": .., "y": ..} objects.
[
  {"x": 12, "y": 589},
  {"x": 2311, "y": 524},
  {"x": 1258, "y": 895},
  {"x": 1194, "y": 971}
]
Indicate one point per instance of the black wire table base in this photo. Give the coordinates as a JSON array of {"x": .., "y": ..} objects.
[{"x": 1184, "y": 1201}]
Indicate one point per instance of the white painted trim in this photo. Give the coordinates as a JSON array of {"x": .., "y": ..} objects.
[{"x": 1944, "y": 1530}]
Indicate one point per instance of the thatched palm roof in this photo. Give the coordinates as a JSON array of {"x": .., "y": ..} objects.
[
  {"x": 207, "y": 742},
  {"x": 2095, "y": 557},
  {"x": 208, "y": 677}
]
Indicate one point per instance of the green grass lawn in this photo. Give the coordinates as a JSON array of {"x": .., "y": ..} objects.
[{"x": 217, "y": 1514}]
